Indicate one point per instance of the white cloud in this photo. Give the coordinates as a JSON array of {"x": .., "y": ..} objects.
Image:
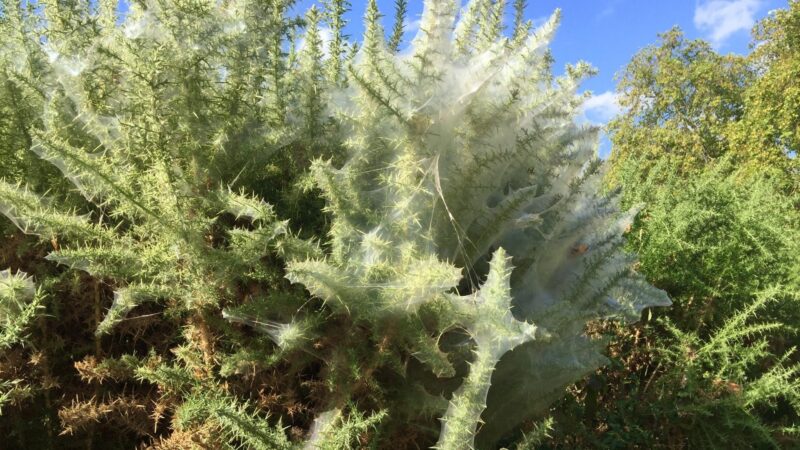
[
  {"x": 722, "y": 18},
  {"x": 598, "y": 110},
  {"x": 608, "y": 10},
  {"x": 411, "y": 26},
  {"x": 601, "y": 108}
]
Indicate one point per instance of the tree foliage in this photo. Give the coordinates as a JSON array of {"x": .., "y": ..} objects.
[
  {"x": 678, "y": 98},
  {"x": 770, "y": 127},
  {"x": 684, "y": 101}
]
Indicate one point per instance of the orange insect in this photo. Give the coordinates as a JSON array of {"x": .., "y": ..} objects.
[{"x": 579, "y": 249}]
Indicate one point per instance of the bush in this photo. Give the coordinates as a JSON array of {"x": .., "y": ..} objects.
[{"x": 463, "y": 248}]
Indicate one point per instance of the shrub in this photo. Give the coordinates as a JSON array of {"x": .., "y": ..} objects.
[{"x": 469, "y": 245}]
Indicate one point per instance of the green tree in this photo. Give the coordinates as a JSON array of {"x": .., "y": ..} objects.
[
  {"x": 684, "y": 101},
  {"x": 769, "y": 130},
  {"x": 679, "y": 97}
]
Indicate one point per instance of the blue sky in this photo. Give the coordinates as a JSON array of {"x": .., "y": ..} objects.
[{"x": 607, "y": 33}]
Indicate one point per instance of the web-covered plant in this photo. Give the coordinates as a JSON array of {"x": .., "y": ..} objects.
[
  {"x": 463, "y": 150},
  {"x": 19, "y": 304},
  {"x": 468, "y": 229},
  {"x": 161, "y": 122}
]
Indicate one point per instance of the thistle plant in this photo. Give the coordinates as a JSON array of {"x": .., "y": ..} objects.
[
  {"x": 20, "y": 303},
  {"x": 471, "y": 200},
  {"x": 149, "y": 141},
  {"x": 162, "y": 123}
]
